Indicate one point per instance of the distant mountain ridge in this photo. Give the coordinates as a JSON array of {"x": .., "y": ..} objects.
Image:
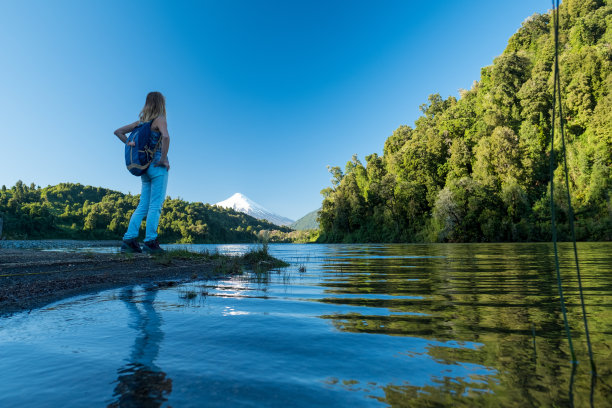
[
  {"x": 307, "y": 222},
  {"x": 243, "y": 204}
]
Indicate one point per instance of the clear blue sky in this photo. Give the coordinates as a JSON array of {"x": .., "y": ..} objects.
[{"x": 261, "y": 95}]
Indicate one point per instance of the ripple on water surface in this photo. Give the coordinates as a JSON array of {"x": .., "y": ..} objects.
[{"x": 364, "y": 325}]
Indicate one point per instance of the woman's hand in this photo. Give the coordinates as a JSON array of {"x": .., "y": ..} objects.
[
  {"x": 163, "y": 163},
  {"x": 133, "y": 144},
  {"x": 120, "y": 133}
]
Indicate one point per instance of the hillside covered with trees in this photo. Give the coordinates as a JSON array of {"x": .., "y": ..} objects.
[
  {"x": 476, "y": 168},
  {"x": 75, "y": 211}
]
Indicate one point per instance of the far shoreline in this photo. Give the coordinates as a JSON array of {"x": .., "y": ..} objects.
[{"x": 76, "y": 245}]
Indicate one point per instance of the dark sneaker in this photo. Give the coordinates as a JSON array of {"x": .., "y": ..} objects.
[
  {"x": 130, "y": 246},
  {"x": 152, "y": 247}
]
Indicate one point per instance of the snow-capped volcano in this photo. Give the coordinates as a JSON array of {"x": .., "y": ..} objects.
[{"x": 245, "y": 205}]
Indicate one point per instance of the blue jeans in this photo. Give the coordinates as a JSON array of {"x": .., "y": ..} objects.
[{"x": 152, "y": 196}]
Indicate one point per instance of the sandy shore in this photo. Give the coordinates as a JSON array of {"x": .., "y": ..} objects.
[{"x": 31, "y": 279}]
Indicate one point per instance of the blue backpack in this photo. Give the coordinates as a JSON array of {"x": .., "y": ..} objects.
[{"x": 138, "y": 158}]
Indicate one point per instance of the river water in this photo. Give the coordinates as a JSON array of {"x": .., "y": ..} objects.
[{"x": 344, "y": 325}]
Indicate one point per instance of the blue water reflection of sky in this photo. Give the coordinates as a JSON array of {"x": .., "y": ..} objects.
[{"x": 237, "y": 341}]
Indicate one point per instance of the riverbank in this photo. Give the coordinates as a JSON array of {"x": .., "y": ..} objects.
[
  {"x": 57, "y": 244},
  {"x": 31, "y": 278}
]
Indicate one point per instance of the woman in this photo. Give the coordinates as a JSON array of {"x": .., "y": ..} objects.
[{"x": 154, "y": 181}]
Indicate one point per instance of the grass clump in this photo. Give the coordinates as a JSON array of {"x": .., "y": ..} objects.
[
  {"x": 259, "y": 260},
  {"x": 228, "y": 265},
  {"x": 166, "y": 257}
]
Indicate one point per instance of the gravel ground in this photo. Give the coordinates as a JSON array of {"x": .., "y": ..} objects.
[{"x": 32, "y": 278}]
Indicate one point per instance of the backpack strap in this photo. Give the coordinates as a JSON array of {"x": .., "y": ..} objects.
[{"x": 159, "y": 141}]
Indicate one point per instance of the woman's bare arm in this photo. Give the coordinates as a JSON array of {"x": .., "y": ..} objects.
[
  {"x": 165, "y": 139},
  {"x": 120, "y": 133}
]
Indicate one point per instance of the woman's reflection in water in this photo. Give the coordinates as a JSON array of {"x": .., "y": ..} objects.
[{"x": 141, "y": 383}]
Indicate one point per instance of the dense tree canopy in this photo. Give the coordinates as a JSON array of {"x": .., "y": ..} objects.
[
  {"x": 84, "y": 212},
  {"x": 477, "y": 168}
]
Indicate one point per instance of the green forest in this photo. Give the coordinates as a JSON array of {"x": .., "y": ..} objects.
[
  {"x": 74, "y": 211},
  {"x": 476, "y": 168}
]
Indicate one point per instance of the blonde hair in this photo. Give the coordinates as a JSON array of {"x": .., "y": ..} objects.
[{"x": 155, "y": 106}]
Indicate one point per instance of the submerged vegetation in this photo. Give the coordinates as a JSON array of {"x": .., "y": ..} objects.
[{"x": 477, "y": 168}]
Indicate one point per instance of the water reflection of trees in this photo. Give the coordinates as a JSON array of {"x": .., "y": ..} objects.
[
  {"x": 140, "y": 383},
  {"x": 504, "y": 297}
]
